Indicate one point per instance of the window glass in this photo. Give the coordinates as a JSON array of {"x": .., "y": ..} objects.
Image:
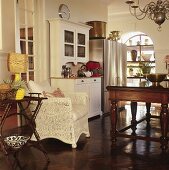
[{"x": 25, "y": 24}]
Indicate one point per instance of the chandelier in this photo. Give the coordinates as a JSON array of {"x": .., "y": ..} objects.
[{"x": 158, "y": 12}]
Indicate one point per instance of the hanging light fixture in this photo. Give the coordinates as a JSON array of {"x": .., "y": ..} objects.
[{"x": 158, "y": 12}]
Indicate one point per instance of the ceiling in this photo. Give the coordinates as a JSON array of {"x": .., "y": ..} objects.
[{"x": 116, "y": 7}]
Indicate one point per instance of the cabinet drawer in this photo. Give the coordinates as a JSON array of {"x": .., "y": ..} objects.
[
  {"x": 82, "y": 81},
  {"x": 95, "y": 80}
]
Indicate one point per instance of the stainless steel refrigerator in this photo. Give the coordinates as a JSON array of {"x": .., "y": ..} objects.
[{"x": 112, "y": 56}]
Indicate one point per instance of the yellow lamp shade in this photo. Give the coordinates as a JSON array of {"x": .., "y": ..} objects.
[{"x": 17, "y": 63}]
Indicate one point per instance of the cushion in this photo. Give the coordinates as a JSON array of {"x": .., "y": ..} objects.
[
  {"x": 55, "y": 93},
  {"x": 35, "y": 87},
  {"x": 45, "y": 89},
  {"x": 27, "y": 90}
]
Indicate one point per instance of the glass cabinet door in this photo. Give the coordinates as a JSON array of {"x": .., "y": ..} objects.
[
  {"x": 69, "y": 43},
  {"x": 81, "y": 41},
  {"x": 75, "y": 44}
]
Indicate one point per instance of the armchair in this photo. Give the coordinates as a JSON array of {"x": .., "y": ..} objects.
[{"x": 63, "y": 118}]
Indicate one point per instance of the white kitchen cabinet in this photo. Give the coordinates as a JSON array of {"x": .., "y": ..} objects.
[
  {"x": 69, "y": 42},
  {"x": 95, "y": 96},
  {"x": 92, "y": 86}
]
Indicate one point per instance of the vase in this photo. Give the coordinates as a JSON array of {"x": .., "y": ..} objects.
[
  {"x": 20, "y": 93},
  {"x": 131, "y": 73},
  {"x": 133, "y": 55},
  {"x": 146, "y": 70}
]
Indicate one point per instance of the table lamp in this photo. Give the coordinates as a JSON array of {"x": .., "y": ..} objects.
[{"x": 17, "y": 63}]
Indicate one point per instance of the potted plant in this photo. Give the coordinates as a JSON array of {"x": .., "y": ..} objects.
[
  {"x": 17, "y": 87},
  {"x": 145, "y": 67}
]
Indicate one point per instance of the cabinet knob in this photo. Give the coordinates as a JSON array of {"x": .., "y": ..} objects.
[
  {"x": 94, "y": 79},
  {"x": 82, "y": 81}
]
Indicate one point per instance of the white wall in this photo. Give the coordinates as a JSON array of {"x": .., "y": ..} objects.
[
  {"x": 7, "y": 36},
  {"x": 81, "y": 11},
  {"x": 127, "y": 23}
]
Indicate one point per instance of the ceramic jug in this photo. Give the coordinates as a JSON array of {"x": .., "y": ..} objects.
[{"x": 88, "y": 73}]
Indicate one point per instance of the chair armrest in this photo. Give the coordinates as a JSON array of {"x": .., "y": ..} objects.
[
  {"x": 59, "y": 101},
  {"x": 78, "y": 98},
  {"x": 57, "y": 107}
]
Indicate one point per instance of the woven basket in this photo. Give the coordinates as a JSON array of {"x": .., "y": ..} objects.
[
  {"x": 5, "y": 87},
  {"x": 6, "y": 92}
]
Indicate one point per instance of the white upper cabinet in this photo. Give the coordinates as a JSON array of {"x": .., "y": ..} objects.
[{"x": 69, "y": 42}]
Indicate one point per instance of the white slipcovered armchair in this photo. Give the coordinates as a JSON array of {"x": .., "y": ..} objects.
[{"x": 63, "y": 118}]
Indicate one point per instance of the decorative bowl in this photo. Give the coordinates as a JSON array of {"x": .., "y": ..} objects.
[
  {"x": 156, "y": 78},
  {"x": 16, "y": 141},
  {"x": 146, "y": 57}
]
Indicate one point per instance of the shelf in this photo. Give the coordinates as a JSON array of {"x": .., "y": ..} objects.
[
  {"x": 139, "y": 66},
  {"x": 149, "y": 45},
  {"x": 140, "y": 48},
  {"x": 140, "y": 61},
  {"x": 136, "y": 52}
]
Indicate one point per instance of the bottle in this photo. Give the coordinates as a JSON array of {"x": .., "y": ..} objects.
[
  {"x": 64, "y": 71},
  {"x": 69, "y": 72}
]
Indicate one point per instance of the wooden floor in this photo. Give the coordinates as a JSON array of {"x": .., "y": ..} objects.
[{"x": 97, "y": 153}]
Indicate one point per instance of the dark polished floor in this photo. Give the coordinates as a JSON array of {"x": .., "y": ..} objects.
[{"x": 97, "y": 153}]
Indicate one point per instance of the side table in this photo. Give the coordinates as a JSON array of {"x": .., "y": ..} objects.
[{"x": 13, "y": 140}]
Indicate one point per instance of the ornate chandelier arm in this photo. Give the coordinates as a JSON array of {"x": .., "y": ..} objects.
[
  {"x": 135, "y": 8},
  {"x": 134, "y": 13},
  {"x": 139, "y": 16},
  {"x": 158, "y": 12},
  {"x": 166, "y": 3},
  {"x": 166, "y": 6},
  {"x": 148, "y": 7}
]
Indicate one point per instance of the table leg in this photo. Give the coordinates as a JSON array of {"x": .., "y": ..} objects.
[
  {"x": 133, "y": 121},
  {"x": 148, "y": 114},
  {"x": 113, "y": 117},
  {"x": 164, "y": 126}
]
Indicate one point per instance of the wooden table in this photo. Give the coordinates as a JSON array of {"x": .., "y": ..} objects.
[{"x": 143, "y": 92}]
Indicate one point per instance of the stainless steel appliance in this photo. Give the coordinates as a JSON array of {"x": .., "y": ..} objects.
[{"x": 112, "y": 56}]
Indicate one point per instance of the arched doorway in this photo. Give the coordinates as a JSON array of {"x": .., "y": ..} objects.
[{"x": 140, "y": 55}]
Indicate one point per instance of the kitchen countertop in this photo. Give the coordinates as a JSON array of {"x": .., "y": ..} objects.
[{"x": 73, "y": 77}]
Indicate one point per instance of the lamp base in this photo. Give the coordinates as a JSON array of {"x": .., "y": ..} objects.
[
  {"x": 17, "y": 77},
  {"x": 20, "y": 94}
]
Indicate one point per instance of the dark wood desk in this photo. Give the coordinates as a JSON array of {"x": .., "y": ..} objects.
[{"x": 140, "y": 93}]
